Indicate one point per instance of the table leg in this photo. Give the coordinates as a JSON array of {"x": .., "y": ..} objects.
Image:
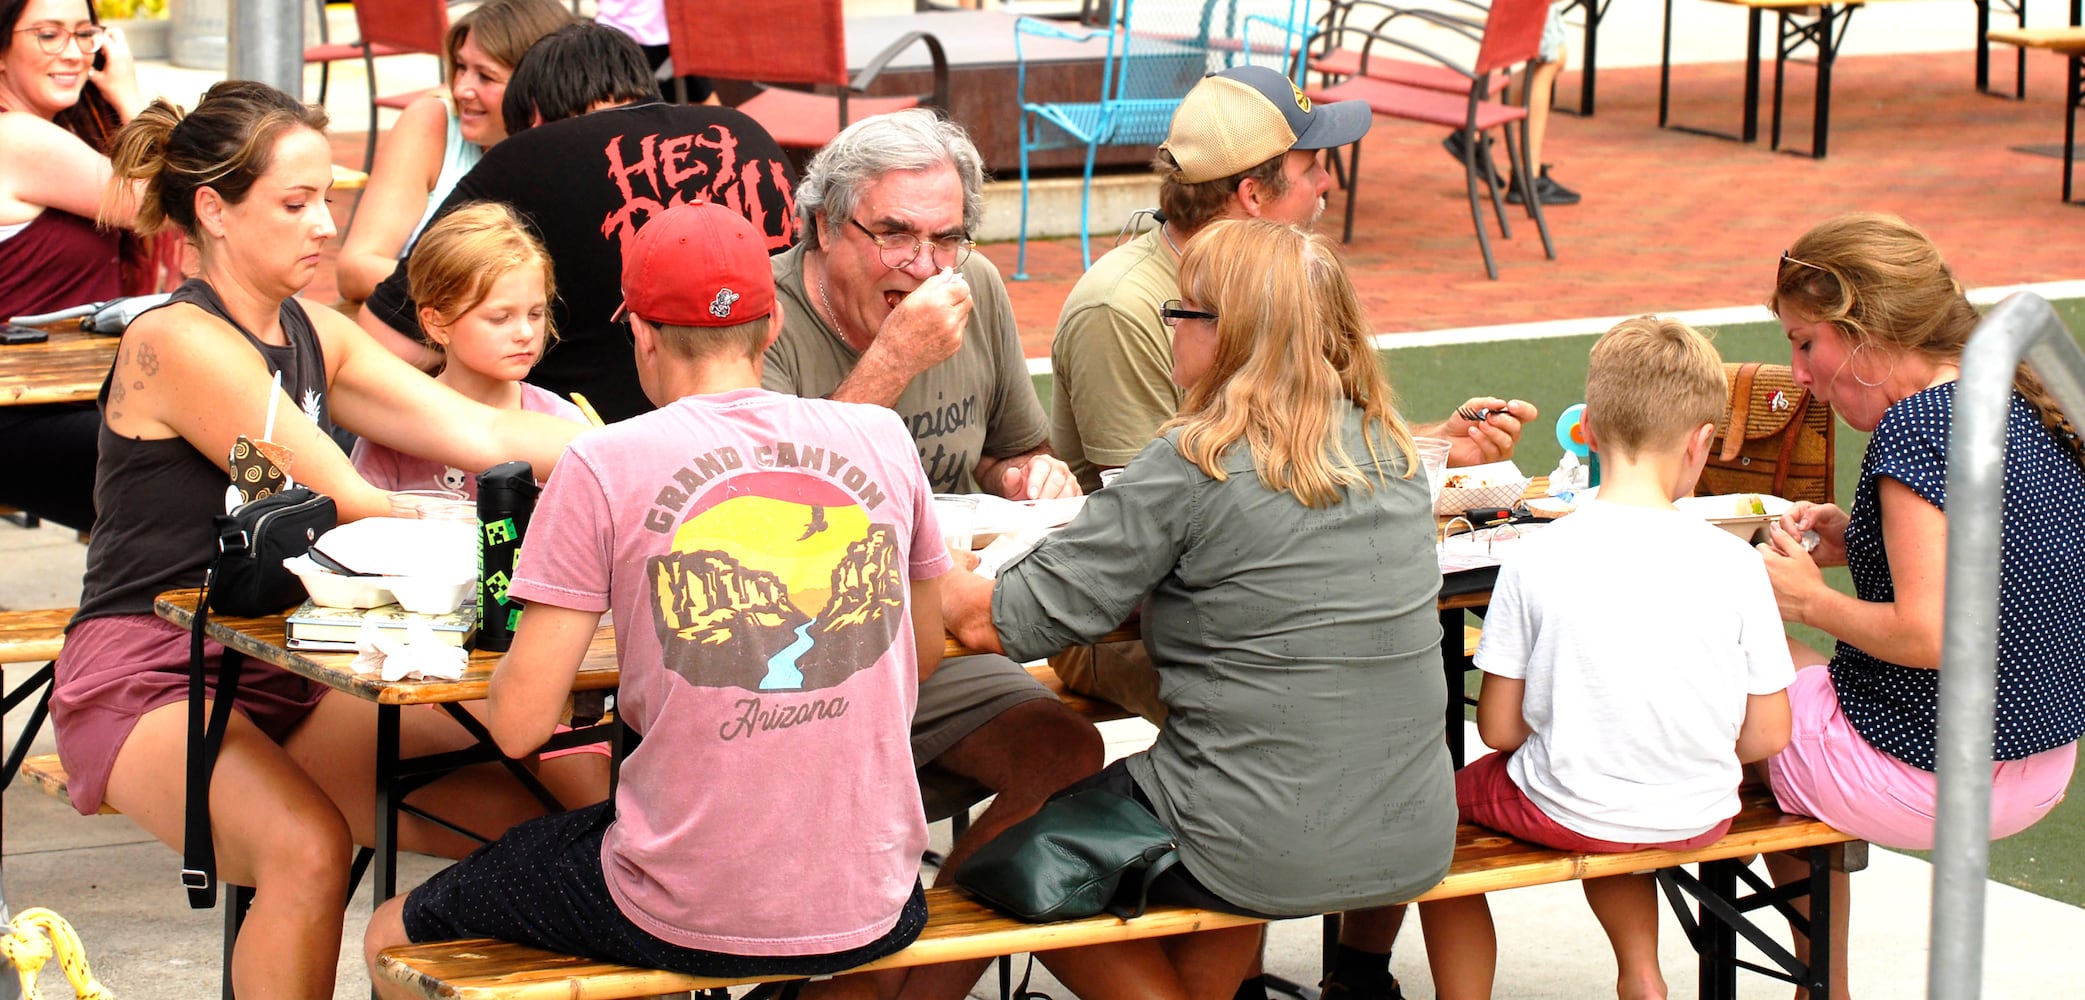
[
  {"x": 1752, "y": 20},
  {"x": 1718, "y": 968},
  {"x": 1781, "y": 49},
  {"x": 1665, "y": 68},
  {"x": 1453, "y": 664},
  {"x": 1983, "y": 45},
  {"x": 387, "y": 795},
  {"x": 1827, "y": 52},
  {"x": 1590, "y": 53},
  {"x": 1821, "y": 903},
  {"x": 2075, "y": 96}
]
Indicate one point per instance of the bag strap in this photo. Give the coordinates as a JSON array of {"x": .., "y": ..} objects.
[
  {"x": 198, "y": 854},
  {"x": 1791, "y": 434},
  {"x": 1157, "y": 867},
  {"x": 1740, "y": 410}
]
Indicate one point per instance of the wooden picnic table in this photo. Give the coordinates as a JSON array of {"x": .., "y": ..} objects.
[
  {"x": 1820, "y": 27},
  {"x": 262, "y": 639},
  {"x": 68, "y": 368},
  {"x": 1460, "y": 592}
]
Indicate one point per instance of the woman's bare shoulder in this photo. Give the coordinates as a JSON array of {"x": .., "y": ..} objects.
[{"x": 25, "y": 138}]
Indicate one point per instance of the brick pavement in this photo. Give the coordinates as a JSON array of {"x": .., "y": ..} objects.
[{"x": 1673, "y": 220}]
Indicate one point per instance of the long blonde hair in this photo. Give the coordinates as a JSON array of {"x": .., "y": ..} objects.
[
  {"x": 1292, "y": 343},
  {"x": 1879, "y": 280}
]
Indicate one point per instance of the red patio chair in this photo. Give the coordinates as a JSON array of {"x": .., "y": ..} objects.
[
  {"x": 792, "y": 41},
  {"x": 1333, "y": 62},
  {"x": 1512, "y": 35},
  {"x": 387, "y": 28}
]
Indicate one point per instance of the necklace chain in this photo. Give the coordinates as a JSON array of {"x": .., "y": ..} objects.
[{"x": 825, "y": 299}]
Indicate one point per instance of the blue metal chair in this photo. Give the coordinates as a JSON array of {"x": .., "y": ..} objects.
[{"x": 1155, "y": 51}]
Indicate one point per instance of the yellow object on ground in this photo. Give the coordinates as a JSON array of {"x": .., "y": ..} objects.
[{"x": 33, "y": 937}]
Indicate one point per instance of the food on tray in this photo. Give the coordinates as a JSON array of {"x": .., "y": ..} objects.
[
  {"x": 1749, "y": 504},
  {"x": 1465, "y": 481}
]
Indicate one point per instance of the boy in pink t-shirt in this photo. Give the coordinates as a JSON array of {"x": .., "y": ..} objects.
[{"x": 769, "y": 564}]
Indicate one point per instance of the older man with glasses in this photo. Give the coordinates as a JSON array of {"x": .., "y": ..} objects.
[{"x": 885, "y": 302}]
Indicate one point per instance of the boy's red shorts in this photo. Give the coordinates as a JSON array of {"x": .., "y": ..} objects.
[{"x": 1486, "y": 795}]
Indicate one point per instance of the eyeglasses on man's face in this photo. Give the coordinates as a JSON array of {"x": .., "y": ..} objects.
[
  {"x": 51, "y": 37},
  {"x": 899, "y": 250},
  {"x": 1171, "y": 312}
]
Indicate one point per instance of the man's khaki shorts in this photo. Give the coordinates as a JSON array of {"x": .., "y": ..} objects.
[{"x": 1118, "y": 672}]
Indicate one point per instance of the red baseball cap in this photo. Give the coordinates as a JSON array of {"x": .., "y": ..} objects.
[{"x": 697, "y": 264}]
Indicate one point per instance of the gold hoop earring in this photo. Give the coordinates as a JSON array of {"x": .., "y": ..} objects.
[{"x": 1853, "y": 367}]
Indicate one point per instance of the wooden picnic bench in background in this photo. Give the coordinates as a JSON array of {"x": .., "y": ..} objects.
[
  {"x": 2070, "y": 44},
  {"x": 960, "y": 928}
]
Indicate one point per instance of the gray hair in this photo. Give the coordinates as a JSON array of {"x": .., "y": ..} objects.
[{"x": 914, "y": 139}]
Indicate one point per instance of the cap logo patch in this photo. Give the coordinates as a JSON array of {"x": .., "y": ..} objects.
[
  {"x": 720, "y": 307},
  {"x": 1302, "y": 102}
]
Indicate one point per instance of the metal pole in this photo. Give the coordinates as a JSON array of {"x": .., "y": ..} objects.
[
  {"x": 2021, "y": 326},
  {"x": 267, "y": 43}
]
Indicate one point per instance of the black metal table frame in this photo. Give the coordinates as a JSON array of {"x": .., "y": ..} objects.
[
  {"x": 398, "y": 777},
  {"x": 1824, "y": 31},
  {"x": 1595, "y": 11}
]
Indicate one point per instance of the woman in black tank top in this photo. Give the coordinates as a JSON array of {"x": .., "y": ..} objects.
[{"x": 245, "y": 176}]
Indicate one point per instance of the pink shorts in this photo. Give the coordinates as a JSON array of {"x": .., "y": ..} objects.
[
  {"x": 1833, "y": 773},
  {"x": 1486, "y": 795},
  {"x": 114, "y": 670},
  {"x": 602, "y": 748}
]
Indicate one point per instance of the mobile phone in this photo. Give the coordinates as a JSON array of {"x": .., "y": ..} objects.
[{"x": 23, "y": 335}]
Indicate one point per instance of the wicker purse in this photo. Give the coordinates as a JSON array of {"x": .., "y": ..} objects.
[{"x": 1775, "y": 438}]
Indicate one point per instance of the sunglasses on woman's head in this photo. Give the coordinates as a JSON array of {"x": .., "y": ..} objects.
[{"x": 1787, "y": 260}]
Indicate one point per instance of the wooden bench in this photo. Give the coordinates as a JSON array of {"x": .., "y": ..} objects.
[
  {"x": 26, "y": 637},
  {"x": 2069, "y": 43},
  {"x": 960, "y": 928}
]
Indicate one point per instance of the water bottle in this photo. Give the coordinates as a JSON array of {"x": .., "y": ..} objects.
[{"x": 506, "y": 498}]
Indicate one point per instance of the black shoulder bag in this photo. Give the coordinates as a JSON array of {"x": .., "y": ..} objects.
[{"x": 246, "y": 579}]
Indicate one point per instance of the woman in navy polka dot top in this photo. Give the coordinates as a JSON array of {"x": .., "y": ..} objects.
[{"x": 1876, "y": 324}]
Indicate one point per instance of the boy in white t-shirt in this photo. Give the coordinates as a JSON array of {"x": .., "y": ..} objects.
[
  {"x": 1633, "y": 662},
  {"x": 770, "y": 563}
]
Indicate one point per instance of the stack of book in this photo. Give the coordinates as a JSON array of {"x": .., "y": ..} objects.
[{"x": 316, "y": 628}]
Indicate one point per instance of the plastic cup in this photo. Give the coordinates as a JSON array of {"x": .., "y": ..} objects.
[
  {"x": 408, "y": 503},
  {"x": 459, "y": 544},
  {"x": 1433, "y": 457},
  {"x": 958, "y": 517}
]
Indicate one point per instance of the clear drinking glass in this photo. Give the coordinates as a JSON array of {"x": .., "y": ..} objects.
[{"x": 958, "y": 517}]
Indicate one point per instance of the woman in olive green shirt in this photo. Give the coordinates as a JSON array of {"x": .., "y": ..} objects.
[{"x": 1282, "y": 549}]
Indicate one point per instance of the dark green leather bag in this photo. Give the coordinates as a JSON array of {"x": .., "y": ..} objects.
[{"x": 1081, "y": 854}]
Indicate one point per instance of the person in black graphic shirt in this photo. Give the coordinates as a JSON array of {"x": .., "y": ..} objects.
[{"x": 587, "y": 184}]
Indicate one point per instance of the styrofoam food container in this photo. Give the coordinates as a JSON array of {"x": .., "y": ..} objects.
[
  {"x": 425, "y": 595},
  {"x": 335, "y": 590},
  {"x": 1722, "y": 509}
]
